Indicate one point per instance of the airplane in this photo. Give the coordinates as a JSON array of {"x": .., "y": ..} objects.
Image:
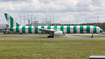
[{"x": 51, "y": 30}]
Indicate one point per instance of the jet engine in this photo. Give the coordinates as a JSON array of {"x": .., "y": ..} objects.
[{"x": 58, "y": 33}]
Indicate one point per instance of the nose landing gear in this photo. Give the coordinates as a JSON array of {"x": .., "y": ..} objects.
[{"x": 92, "y": 35}]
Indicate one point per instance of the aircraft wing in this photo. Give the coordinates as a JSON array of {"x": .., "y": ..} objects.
[{"x": 46, "y": 30}]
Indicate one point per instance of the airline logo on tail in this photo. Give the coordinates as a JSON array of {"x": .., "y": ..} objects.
[{"x": 11, "y": 21}]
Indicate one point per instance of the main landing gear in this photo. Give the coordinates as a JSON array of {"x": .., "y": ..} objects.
[{"x": 50, "y": 37}]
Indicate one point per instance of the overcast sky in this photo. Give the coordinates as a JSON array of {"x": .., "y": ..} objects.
[{"x": 64, "y": 11}]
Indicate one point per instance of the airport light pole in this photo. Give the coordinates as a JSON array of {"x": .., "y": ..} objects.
[
  {"x": 98, "y": 21},
  {"x": 53, "y": 19},
  {"x": 46, "y": 18},
  {"x": 35, "y": 18},
  {"x": 16, "y": 19},
  {"x": 77, "y": 21},
  {"x": 20, "y": 20},
  {"x": 31, "y": 19},
  {"x": 50, "y": 18},
  {"x": 28, "y": 17},
  {"x": 35, "y": 21},
  {"x": 86, "y": 20},
  {"x": 24, "y": 19}
]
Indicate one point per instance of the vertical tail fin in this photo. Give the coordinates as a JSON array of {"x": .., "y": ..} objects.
[{"x": 11, "y": 22}]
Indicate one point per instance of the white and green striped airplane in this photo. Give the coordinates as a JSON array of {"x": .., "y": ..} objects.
[{"x": 51, "y": 30}]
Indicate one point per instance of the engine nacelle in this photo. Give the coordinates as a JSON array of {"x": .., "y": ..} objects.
[{"x": 58, "y": 33}]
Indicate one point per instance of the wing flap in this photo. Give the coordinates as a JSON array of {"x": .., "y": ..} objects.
[{"x": 44, "y": 30}]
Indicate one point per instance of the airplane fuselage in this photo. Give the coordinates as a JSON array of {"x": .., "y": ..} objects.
[{"x": 64, "y": 29}]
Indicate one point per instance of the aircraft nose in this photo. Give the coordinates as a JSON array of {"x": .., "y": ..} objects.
[{"x": 101, "y": 30}]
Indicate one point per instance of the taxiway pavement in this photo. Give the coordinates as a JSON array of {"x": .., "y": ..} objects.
[{"x": 70, "y": 37}]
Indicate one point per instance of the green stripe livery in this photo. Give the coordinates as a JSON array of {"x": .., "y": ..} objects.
[
  {"x": 55, "y": 27},
  {"x": 11, "y": 22},
  {"x": 17, "y": 29},
  {"x": 88, "y": 29},
  {"x": 74, "y": 29},
  {"x": 29, "y": 29},
  {"x": 62, "y": 28},
  {"x": 68, "y": 29},
  {"x": 23, "y": 29},
  {"x": 42, "y": 28},
  {"x": 81, "y": 29},
  {"x": 36, "y": 30},
  {"x": 6, "y": 16},
  {"x": 48, "y": 27},
  {"x": 94, "y": 29}
]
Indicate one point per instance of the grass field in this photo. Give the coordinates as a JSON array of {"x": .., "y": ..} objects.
[{"x": 50, "y": 49}]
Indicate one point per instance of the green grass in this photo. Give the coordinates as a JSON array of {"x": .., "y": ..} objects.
[
  {"x": 26, "y": 35},
  {"x": 98, "y": 35},
  {"x": 50, "y": 49}
]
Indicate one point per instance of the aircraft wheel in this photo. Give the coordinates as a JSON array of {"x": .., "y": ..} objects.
[
  {"x": 49, "y": 37},
  {"x": 52, "y": 36},
  {"x": 91, "y": 36}
]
